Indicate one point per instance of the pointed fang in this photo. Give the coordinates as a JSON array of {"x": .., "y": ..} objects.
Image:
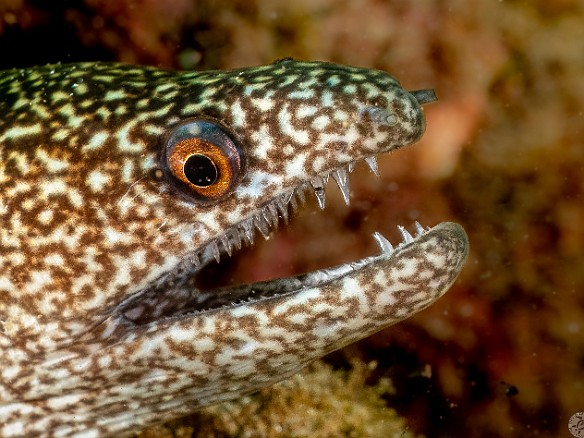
[
  {"x": 318, "y": 184},
  {"x": 226, "y": 244},
  {"x": 248, "y": 230},
  {"x": 215, "y": 251},
  {"x": 237, "y": 236},
  {"x": 342, "y": 180},
  {"x": 271, "y": 215},
  {"x": 262, "y": 225},
  {"x": 384, "y": 245},
  {"x": 282, "y": 206},
  {"x": 300, "y": 194},
  {"x": 320, "y": 197},
  {"x": 372, "y": 163},
  {"x": 419, "y": 229},
  {"x": 406, "y": 236}
]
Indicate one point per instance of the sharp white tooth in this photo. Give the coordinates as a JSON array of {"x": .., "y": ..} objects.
[
  {"x": 237, "y": 235},
  {"x": 274, "y": 212},
  {"x": 351, "y": 166},
  {"x": 248, "y": 229},
  {"x": 215, "y": 251},
  {"x": 342, "y": 180},
  {"x": 300, "y": 194},
  {"x": 196, "y": 260},
  {"x": 262, "y": 225},
  {"x": 226, "y": 244},
  {"x": 318, "y": 184},
  {"x": 406, "y": 236},
  {"x": 293, "y": 203},
  {"x": 287, "y": 197},
  {"x": 270, "y": 215},
  {"x": 282, "y": 206},
  {"x": 320, "y": 197},
  {"x": 419, "y": 229},
  {"x": 372, "y": 163},
  {"x": 384, "y": 244}
]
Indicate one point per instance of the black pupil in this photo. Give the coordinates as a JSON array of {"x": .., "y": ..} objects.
[{"x": 200, "y": 170}]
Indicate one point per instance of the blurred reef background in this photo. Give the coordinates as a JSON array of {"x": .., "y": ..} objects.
[{"x": 502, "y": 354}]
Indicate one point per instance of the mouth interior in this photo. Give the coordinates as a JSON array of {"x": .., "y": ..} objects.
[{"x": 177, "y": 294}]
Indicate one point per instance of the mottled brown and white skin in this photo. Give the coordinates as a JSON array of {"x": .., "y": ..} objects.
[{"x": 102, "y": 331}]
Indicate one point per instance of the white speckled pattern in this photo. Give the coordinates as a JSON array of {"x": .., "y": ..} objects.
[{"x": 101, "y": 329}]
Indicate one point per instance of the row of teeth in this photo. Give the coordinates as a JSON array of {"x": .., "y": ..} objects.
[
  {"x": 341, "y": 177},
  {"x": 268, "y": 218},
  {"x": 385, "y": 245}
]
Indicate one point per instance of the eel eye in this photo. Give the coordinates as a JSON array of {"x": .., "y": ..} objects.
[{"x": 204, "y": 158}]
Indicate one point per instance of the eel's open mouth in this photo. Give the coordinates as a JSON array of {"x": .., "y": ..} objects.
[{"x": 175, "y": 293}]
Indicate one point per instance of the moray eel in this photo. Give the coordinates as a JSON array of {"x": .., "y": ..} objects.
[{"x": 119, "y": 183}]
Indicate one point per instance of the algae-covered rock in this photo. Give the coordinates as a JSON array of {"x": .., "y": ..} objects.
[{"x": 320, "y": 402}]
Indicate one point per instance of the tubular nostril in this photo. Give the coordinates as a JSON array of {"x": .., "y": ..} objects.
[{"x": 424, "y": 96}]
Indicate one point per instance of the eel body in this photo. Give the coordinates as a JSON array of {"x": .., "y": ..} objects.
[{"x": 119, "y": 183}]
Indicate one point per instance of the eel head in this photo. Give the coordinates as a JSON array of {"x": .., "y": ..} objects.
[{"x": 118, "y": 184}]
